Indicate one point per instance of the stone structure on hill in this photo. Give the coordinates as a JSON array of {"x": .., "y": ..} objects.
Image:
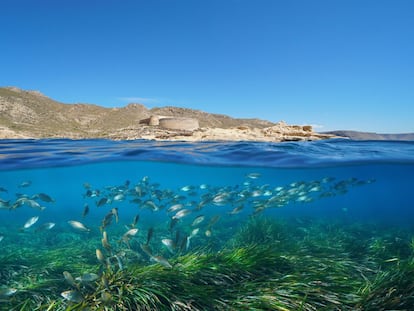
[{"x": 172, "y": 123}]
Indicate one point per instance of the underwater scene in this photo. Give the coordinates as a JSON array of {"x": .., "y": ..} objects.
[{"x": 144, "y": 225}]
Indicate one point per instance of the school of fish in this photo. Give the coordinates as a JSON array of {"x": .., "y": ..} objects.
[{"x": 188, "y": 213}]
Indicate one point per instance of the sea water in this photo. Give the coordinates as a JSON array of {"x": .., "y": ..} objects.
[{"x": 366, "y": 184}]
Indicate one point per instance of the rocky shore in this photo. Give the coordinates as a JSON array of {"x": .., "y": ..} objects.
[
  {"x": 277, "y": 133},
  {"x": 30, "y": 114}
]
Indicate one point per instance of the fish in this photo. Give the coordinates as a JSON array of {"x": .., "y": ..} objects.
[
  {"x": 162, "y": 261},
  {"x": 106, "y": 297},
  {"x": 1, "y": 237},
  {"x": 119, "y": 261},
  {"x": 105, "y": 242},
  {"x": 85, "y": 210},
  {"x": 187, "y": 188},
  {"x": 146, "y": 249},
  {"x": 149, "y": 235},
  {"x": 193, "y": 233},
  {"x": 45, "y": 226},
  {"x": 169, "y": 244},
  {"x": 151, "y": 205},
  {"x": 236, "y": 210},
  {"x": 44, "y": 197},
  {"x": 3, "y": 189},
  {"x": 25, "y": 184},
  {"x": 114, "y": 212},
  {"x": 78, "y": 226},
  {"x": 107, "y": 220},
  {"x": 30, "y": 222},
  {"x": 100, "y": 256},
  {"x": 221, "y": 199},
  {"x": 134, "y": 221},
  {"x": 128, "y": 235},
  {"x": 87, "y": 278},
  {"x": 102, "y": 202},
  {"x": 7, "y": 292},
  {"x": 253, "y": 175},
  {"x": 72, "y": 296},
  {"x": 131, "y": 232},
  {"x": 175, "y": 208},
  {"x": 181, "y": 213},
  {"x": 31, "y": 203},
  {"x": 208, "y": 233},
  {"x": 69, "y": 279},
  {"x": 119, "y": 197},
  {"x": 197, "y": 220},
  {"x": 4, "y": 204}
]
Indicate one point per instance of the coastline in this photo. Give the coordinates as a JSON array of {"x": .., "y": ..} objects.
[{"x": 278, "y": 133}]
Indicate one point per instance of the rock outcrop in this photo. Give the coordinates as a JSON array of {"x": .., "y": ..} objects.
[{"x": 181, "y": 124}]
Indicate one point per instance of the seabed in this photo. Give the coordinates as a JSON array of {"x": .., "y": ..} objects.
[{"x": 284, "y": 264}]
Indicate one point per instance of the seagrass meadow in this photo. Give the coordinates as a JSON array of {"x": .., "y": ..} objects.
[
  {"x": 298, "y": 264},
  {"x": 101, "y": 225}
]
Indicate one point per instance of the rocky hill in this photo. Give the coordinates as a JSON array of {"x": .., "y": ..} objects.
[{"x": 30, "y": 114}]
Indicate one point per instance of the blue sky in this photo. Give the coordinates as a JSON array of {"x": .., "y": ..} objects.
[{"x": 335, "y": 64}]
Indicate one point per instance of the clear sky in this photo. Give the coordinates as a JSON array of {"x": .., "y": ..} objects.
[{"x": 335, "y": 64}]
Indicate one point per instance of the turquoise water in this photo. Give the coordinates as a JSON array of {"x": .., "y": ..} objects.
[{"x": 221, "y": 186}]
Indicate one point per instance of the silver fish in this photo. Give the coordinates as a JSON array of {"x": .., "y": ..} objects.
[
  {"x": 100, "y": 256},
  {"x": 78, "y": 225},
  {"x": 7, "y": 292},
  {"x": 221, "y": 199},
  {"x": 182, "y": 213},
  {"x": 72, "y": 296},
  {"x": 33, "y": 204},
  {"x": 4, "y": 204},
  {"x": 162, "y": 261},
  {"x": 1, "y": 237},
  {"x": 198, "y": 220},
  {"x": 253, "y": 175},
  {"x": 194, "y": 232},
  {"x": 130, "y": 233},
  {"x": 25, "y": 184},
  {"x": 69, "y": 278},
  {"x": 119, "y": 197},
  {"x": 175, "y": 208},
  {"x": 105, "y": 242},
  {"x": 87, "y": 277},
  {"x": 187, "y": 188},
  {"x": 236, "y": 210},
  {"x": 30, "y": 222},
  {"x": 45, "y": 226},
  {"x": 169, "y": 244},
  {"x": 44, "y": 197},
  {"x": 151, "y": 205}
]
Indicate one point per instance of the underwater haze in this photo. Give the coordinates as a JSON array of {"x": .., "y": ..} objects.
[{"x": 144, "y": 225}]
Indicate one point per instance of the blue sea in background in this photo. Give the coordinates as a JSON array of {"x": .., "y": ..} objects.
[{"x": 345, "y": 182}]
